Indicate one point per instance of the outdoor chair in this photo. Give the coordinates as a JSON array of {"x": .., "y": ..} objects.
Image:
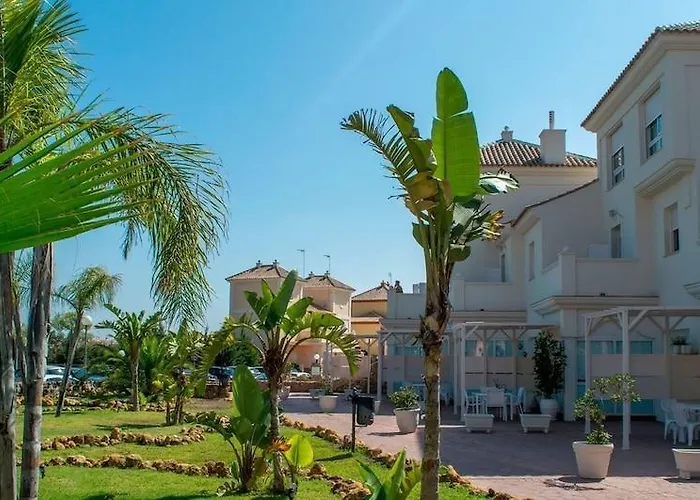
[
  {"x": 471, "y": 402},
  {"x": 496, "y": 398},
  {"x": 519, "y": 403},
  {"x": 669, "y": 422},
  {"x": 680, "y": 415}
]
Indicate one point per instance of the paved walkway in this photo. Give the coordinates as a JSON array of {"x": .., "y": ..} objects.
[{"x": 533, "y": 465}]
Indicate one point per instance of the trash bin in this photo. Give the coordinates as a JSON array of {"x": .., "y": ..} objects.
[{"x": 365, "y": 410}]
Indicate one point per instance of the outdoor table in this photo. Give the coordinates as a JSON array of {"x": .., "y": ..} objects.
[{"x": 510, "y": 402}]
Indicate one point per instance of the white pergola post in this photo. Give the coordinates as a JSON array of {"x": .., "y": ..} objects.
[
  {"x": 380, "y": 358},
  {"x": 589, "y": 365},
  {"x": 623, "y": 319},
  {"x": 455, "y": 367}
]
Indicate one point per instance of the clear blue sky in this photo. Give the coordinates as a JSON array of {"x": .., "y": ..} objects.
[{"x": 264, "y": 84}]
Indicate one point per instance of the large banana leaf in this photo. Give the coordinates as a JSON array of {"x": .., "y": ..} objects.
[
  {"x": 454, "y": 137},
  {"x": 62, "y": 187}
]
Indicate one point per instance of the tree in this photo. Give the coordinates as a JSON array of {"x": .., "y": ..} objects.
[
  {"x": 130, "y": 330},
  {"x": 277, "y": 328},
  {"x": 91, "y": 288},
  {"x": 240, "y": 353},
  {"x": 186, "y": 348},
  {"x": 64, "y": 172},
  {"x": 442, "y": 186}
]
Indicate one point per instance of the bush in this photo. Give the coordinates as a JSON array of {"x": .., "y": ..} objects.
[
  {"x": 550, "y": 361},
  {"x": 405, "y": 399}
]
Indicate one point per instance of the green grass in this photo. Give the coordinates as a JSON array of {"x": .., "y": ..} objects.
[{"x": 93, "y": 484}]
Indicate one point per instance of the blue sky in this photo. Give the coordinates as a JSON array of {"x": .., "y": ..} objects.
[{"x": 264, "y": 84}]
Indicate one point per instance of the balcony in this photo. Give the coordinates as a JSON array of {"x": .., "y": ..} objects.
[{"x": 612, "y": 277}]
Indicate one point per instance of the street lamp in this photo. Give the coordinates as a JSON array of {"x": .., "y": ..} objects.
[{"x": 86, "y": 322}]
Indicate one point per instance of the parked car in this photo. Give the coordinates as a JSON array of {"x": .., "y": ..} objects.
[
  {"x": 294, "y": 373},
  {"x": 258, "y": 373},
  {"x": 54, "y": 375},
  {"x": 82, "y": 375}
]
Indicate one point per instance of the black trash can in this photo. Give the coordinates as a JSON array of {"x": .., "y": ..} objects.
[{"x": 365, "y": 410}]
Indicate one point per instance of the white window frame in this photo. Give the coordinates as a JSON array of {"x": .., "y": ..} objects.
[
  {"x": 672, "y": 239},
  {"x": 653, "y": 144},
  {"x": 531, "y": 261},
  {"x": 613, "y": 231},
  {"x": 617, "y": 172}
]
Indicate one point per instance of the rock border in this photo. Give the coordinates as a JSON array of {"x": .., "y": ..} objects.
[{"x": 186, "y": 436}]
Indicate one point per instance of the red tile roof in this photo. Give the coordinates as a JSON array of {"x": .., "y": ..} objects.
[
  {"x": 516, "y": 153},
  {"x": 692, "y": 28},
  {"x": 261, "y": 271},
  {"x": 379, "y": 292},
  {"x": 325, "y": 280}
]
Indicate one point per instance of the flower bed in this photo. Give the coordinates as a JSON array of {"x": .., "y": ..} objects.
[{"x": 187, "y": 436}]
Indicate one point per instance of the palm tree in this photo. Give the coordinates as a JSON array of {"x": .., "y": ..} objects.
[
  {"x": 277, "y": 328},
  {"x": 93, "y": 287},
  {"x": 130, "y": 330},
  {"x": 186, "y": 348},
  {"x": 442, "y": 186},
  {"x": 64, "y": 172}
]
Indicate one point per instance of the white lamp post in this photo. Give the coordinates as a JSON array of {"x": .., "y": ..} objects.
[{"x": 86, "y": 322}]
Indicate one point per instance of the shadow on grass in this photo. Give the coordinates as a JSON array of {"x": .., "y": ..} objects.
[
  {"x": 335, "y": 458},
  {"x": 111, "y": 496}
]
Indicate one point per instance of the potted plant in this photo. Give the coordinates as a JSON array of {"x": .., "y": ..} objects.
[
  {"x": 593, "y": 454},
  {"x": 549, "y": 363},
  {"x": 406, "y": 409},
  {"x": 678, "y": 343},
  {"x": 327, "y": 400}
]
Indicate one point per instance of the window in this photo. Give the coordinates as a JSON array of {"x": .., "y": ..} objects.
[
  {"x": 616, "y": 242},
  {"x": 671, "y": 231},
  {"x": 653, "y": 127},
  {"x": 531, "y": 260},
  {"x": 617, "y": 160},
  {"x": 503, "y": 268}
]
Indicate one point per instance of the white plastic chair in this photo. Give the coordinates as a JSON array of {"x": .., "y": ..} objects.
[
  {"x": 669, "y": 422},
  {"x": 519, "y": 402},
  {"x": 496, "y": 398},
  {"x": 680, "y": 415},
  {"x": 471, "y": 402}
]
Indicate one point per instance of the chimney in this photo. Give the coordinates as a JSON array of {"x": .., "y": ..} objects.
[
  {"x": 275, "y": 263},
  {"x": 506, "y": 134},
  {"x": 327, "y": 274},
  {"x": 553, "y": 144},
  {"x": 258, "y": 263}
]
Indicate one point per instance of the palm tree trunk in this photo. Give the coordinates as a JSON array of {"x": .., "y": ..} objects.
[
  {"x": 39, "y": 314},
  {"x": 135, "y": 379},
  {"x": 72, "y": 346},
  {"x": 431, "y": 331},
  {"x": 278, "y": 478},
  {"x": 8, "y": 470}
]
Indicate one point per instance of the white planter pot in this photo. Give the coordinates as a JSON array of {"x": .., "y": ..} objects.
[
  {"x": 327, "y": 403},
  {"x": 686, "y": 349},
  {"x": 478, "y": 422},
  {"x": 377, "y": 404},
  {"x": 687, "y": 463},
  {"x": 407, "y": 420},
  {"x": 592, "y": 460},
  {"x": 533, "y": 421},
  {"x": 549, "y": 407},
  {"x": 675, "y": 349}
]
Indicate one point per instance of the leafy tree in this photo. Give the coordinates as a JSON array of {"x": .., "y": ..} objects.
[
  {"x": 130, "y": 330},
  {"x": 91, "y": 288},
  {"x": 443, "y": 188},
  {"x": 277, "y": 328},
  {"x": 239, "y": 353}
]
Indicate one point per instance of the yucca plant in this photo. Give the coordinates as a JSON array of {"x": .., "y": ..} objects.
[{"x": 443, "y": 188}]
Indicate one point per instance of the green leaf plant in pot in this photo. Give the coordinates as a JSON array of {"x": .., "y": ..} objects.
[
  {"x": 593, "y": 454},
  {"x": 549, "y": 361},
  {"x": 406, "y": 409}
]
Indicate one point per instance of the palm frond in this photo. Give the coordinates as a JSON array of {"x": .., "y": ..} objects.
[{"x": 92, "y": 287}]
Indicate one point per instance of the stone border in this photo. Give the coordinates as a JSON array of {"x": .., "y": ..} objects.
[
  {"x": 117, "y": 436},
  {"x": 133, "y": 461},
  {"x": 450, "y": 475}
]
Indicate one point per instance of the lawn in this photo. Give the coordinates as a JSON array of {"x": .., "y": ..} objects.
[{"x": 105, "y": 483}]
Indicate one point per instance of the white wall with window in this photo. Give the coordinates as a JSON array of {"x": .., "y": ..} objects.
[
  {"x": 653, "y": 124},
  {"x": 617, "y": 158}
]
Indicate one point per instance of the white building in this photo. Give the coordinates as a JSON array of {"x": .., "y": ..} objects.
[{"x": 585, "y": 236}]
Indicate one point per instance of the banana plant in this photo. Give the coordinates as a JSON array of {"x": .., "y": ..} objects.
[
  {"x": 398, "y": 483},
  {"x": 442, "y": 186},
  {"x": 299, "y": 455}
]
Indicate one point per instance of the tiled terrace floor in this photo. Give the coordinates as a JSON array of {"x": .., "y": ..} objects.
[{"x": 533, "y": 465}]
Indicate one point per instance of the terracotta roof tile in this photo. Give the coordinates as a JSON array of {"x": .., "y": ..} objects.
[
  {"x": 516, "y": 153},
  {"x": 692, "y": 27},
  {"x": 261, "y": 271},
  {"x": 379, "y": 292},
  {"x": 325, "y": 280}
]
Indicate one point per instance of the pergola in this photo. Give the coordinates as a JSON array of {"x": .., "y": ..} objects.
[
  {"x": 665, "y": 319},
  {"x": 382, "y": 338},
  {"x": 484, "y": 332}
]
